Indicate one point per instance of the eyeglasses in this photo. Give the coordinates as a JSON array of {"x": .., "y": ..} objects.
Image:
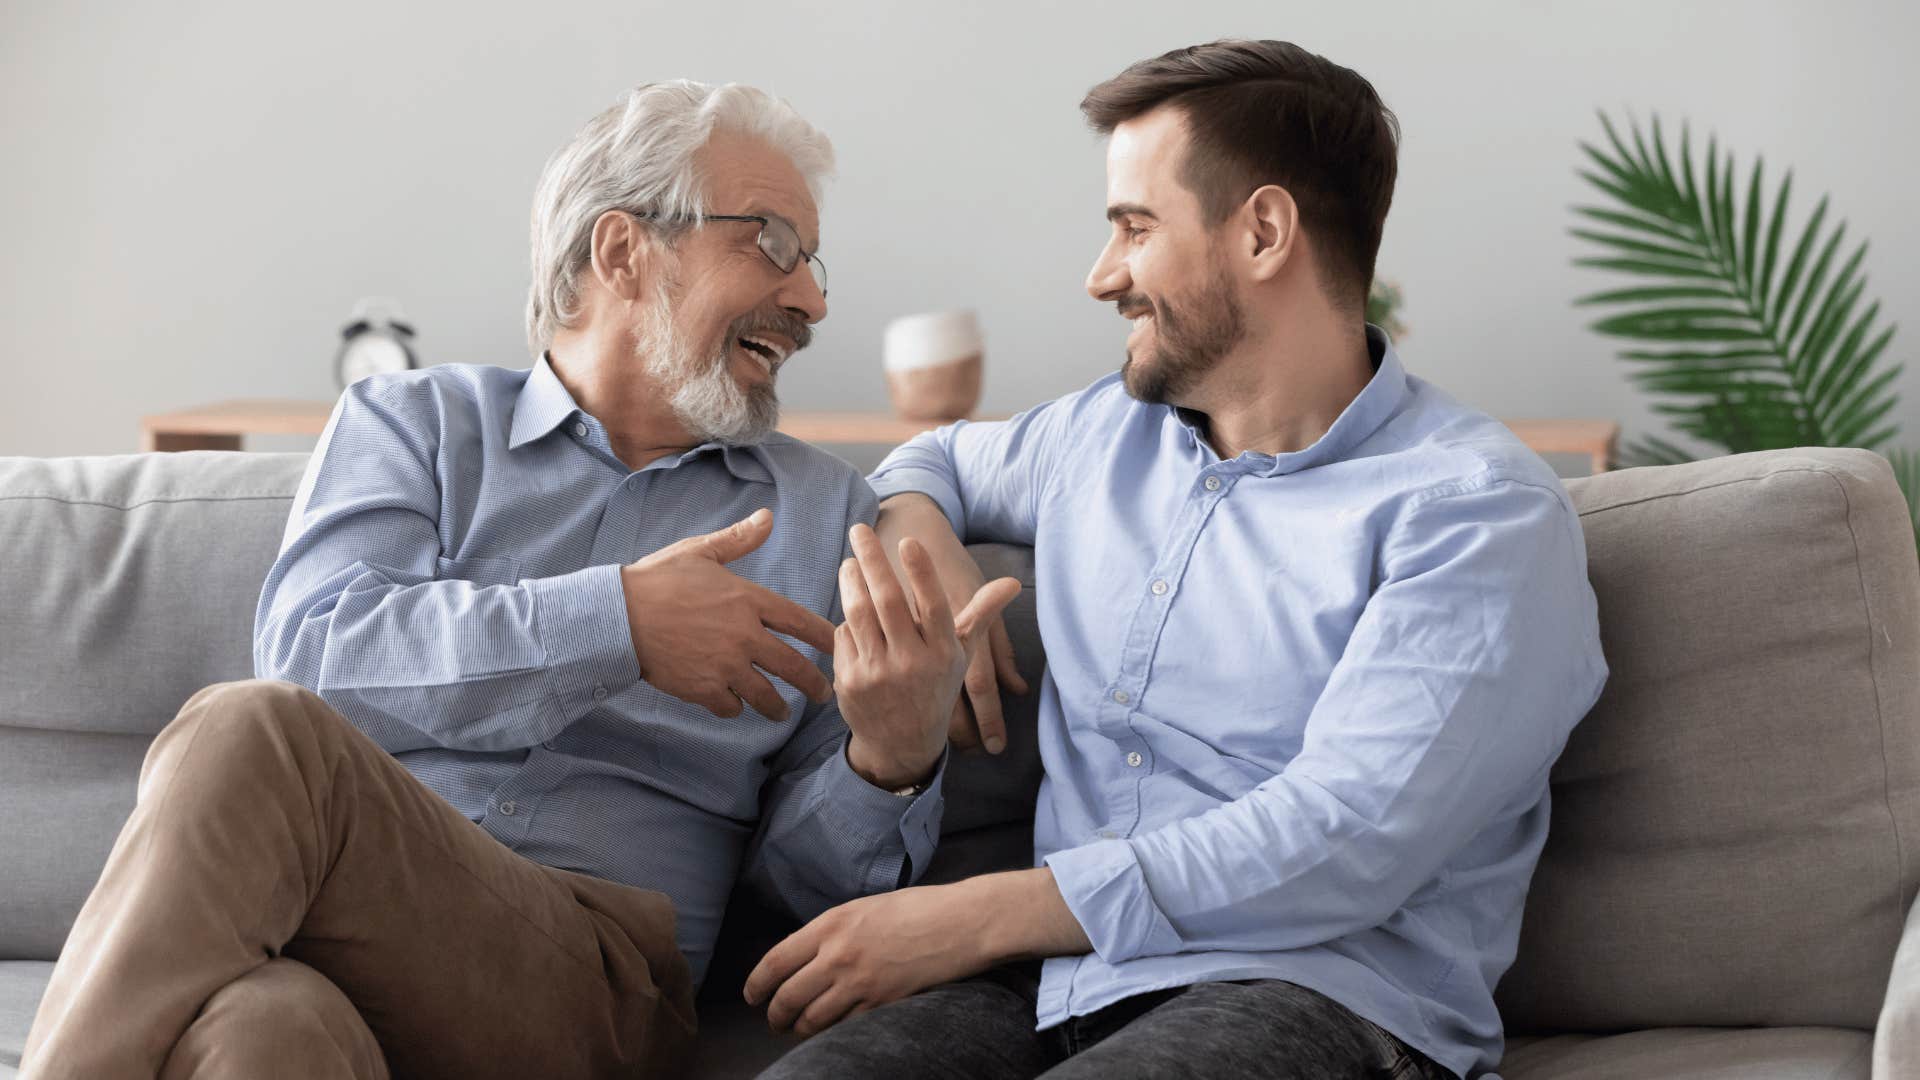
[{"x": 778, "y": 241}]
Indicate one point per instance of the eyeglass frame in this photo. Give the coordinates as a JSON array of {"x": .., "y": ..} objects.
[{"x": 812, "y": 258}]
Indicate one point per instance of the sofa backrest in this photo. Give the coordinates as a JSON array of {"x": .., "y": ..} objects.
[
  {"x": 1736, "y": 824},
  {"x": 126, "y": 584}
]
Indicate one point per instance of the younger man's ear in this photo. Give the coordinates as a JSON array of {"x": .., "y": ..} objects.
[{"x": 1274, "y": 220}]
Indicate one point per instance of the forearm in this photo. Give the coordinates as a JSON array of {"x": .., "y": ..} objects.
[
  {"x": 448, "y": 663},
  {"x": 916, "y": 515},
  {"x": 1024, "y": 916}
]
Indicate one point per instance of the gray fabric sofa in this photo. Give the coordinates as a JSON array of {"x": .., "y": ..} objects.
[{"x": 1736, "y": 826}]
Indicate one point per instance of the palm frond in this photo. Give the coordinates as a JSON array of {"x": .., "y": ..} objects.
[
  {"x": 1906, "y": 470},
  {"x": 1747, "y": 350}
]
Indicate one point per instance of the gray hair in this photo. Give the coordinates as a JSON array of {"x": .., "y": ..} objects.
[{"x": 639, "y": 155}]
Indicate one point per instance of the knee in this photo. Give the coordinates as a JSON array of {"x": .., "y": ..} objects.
[
  {"x": 280, "y": 1013},
  {"x": 248, "y": 724}
]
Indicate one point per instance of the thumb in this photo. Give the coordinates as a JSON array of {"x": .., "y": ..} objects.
[
  {"x": 986, "y": 604},
  {"x": 739, "y": 538}
]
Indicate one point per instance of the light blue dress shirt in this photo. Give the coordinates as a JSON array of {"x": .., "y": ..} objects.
[
  {"x": 450, "y": 582},
  {"x": 1299, "y": 710}
]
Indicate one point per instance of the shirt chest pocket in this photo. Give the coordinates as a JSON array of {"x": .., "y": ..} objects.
[{"x": 480, "y": 570}]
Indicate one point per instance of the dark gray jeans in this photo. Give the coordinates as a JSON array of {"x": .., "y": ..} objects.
[{"x": 982, "y": 1029}]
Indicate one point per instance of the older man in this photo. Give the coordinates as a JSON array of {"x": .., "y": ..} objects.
[
  {"x": 555, "y": 634},
  {"x": 1316, "y": 633}
]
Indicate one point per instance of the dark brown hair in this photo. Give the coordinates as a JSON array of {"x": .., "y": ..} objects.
[{"x": 1270, "y": 112}]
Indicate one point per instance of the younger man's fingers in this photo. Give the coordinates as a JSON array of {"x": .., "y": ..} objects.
[
  {"x": 1004, "y": 664},
  {"x": 960, "y": 730},
  {"x": 983, "y": 691},
  {"x": 986, "y": 604}
]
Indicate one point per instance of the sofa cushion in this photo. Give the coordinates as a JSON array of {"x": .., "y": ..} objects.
[
  {"x": 1736, "y": 825},
  {"x": 1799, "y": 1053},
  {"x": 63, "y": 796}
]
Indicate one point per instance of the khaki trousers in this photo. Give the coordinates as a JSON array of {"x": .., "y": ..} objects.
[{"x": 288, "y": 901}]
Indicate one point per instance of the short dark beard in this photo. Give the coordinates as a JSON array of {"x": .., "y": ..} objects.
[{"x": 1188, "y": 342}]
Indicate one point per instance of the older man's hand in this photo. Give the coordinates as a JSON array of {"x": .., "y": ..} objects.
[
  {"x": 706, "y": 635},
  {"x": 977, "y": 719},
  {"x": 898, "y": 665}
]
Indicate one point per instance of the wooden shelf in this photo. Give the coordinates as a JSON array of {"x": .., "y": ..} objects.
[{"x": 223, "y": 425}]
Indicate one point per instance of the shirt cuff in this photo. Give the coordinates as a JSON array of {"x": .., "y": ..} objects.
[
  {"x": 1105, "y": 889},
  {"x": 899, "y": 479},
  {"x": 582, "y": 622},
  {"x": 901, "y": 831}
]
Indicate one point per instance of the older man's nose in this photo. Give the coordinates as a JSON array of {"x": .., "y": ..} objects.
[{"x": 800, "y": 295}]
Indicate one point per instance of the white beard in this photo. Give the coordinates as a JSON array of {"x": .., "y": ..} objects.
[{"x": 704, "y": 395}]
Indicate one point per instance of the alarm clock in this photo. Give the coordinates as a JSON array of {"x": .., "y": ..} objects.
[{"x": 377, "y": 341}]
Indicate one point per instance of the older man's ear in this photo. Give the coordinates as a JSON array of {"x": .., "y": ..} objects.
[{"x": 625, "y": 255}]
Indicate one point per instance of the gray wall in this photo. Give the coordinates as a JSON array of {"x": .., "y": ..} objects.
[{"x": 194, "y": 195}]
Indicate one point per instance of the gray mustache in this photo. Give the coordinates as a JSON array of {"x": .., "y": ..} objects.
[{"x": 774, "y": 322}]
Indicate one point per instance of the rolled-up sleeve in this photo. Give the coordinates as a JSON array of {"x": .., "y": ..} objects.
[
  {"x": 355, "y": 606},
  {"x": 988, "y": 477},
  {"x": 1468, "y": 668}
]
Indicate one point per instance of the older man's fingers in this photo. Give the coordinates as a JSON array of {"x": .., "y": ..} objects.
[
  {"x": 858, "y": 605},
  {"x": 936, "y": 616},
  {"x": 779, "y": 614},
  {"x": 755, "y": 690},
  {"x": 784, "y": 661},
  {"x": 889, "y": 601}
]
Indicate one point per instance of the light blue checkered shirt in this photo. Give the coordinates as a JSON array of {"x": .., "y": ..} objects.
[
  {"x": 450, "y": 582},
  {"x": 1299, "y": 710}
]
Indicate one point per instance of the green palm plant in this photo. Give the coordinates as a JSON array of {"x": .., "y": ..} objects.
[{"x": 1751, "y": 343}]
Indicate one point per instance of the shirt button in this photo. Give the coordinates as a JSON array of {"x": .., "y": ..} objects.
[
  {"x": 1213, "y": 483},
  {"x": 580, "y": 430},
  {"x": 507, "y": 808},
  {"x": 1121, "y": 696},
  {"x": 1108, "y": 834},
  {"x": 599, "y": 693},
  {"x": 551, "y": 744},
  {"x": 1133, "y": 761},
  {"x": 1160, "y": 588}
]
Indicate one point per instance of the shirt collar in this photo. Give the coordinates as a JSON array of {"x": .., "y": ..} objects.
[
  {"x": 1364, "y": 415},
  {"x": 544, "y": 404}
]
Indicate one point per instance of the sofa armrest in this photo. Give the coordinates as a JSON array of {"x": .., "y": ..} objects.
[{"x": 1896, "y": 1038}]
